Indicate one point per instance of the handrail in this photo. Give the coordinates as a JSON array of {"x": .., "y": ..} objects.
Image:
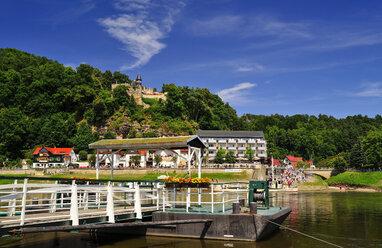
[{"x": 80, "y": 179}]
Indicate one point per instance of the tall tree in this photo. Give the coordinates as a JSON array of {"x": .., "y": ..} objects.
[
  {"x": 356, "y": 156},
  {"x": 220, "y": 156},
  {"x": 230, "y": 157},
  {"x": 249, "y": 154}
]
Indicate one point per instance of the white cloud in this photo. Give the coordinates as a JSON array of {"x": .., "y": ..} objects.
[
  {"x": 262, "y": 25},
  {"x": 237, "y": 94},
  {"x": 247, "y": 68},
  {"x": 142, "y": 27},
  {"x": 371, "y": 90},
  {"x": 245, "y": 26}
]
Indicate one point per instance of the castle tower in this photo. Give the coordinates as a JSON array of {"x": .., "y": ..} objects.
[{"x": 138, "y": 80}]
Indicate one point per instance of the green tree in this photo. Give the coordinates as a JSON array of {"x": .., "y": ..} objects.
[
  {"x": 230, "y": 157},
  {"x": 302, "y": 164},
  {"x": 83, "y": 137},
  {"x": 338, "y": 162},
  {"x": 83, "y": 155},
  {"x": 220, "y": 156},
  {"x": 372, "y": 147},
  {"x": 249, "y": 154},
  {"x": 92, "y": 160},
  {"x": 356, "y": 156}
]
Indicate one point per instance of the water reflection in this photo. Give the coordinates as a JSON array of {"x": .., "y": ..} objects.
[{"x": 350, "y": 219}]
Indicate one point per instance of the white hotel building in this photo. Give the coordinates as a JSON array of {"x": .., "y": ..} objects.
[{"x": 236, "y": 141}]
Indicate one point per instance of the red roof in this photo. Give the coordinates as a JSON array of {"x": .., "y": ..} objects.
[
  {"x": 276, "y": 162},
  {"x": 294, "y": 159},
  {"x": 54, "y": 151}
]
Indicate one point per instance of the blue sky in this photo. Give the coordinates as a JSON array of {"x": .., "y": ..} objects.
[{"x": 263, "y": 57}]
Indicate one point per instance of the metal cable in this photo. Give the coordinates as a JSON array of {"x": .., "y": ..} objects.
[{"x": 307, "y": 235}]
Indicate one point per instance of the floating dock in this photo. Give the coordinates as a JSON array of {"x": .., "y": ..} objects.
[{"x": 226, "y": 211}]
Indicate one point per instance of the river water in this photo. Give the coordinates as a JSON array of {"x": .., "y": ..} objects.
[{"x": 347, "y": 219}]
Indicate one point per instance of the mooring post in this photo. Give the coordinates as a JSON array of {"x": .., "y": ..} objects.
[
  {"x": 236, "y": 208},
  {"x": 137, "y": 202},
  {"x": 253, "y": 208},
  {"x": 74, "y": 205},
  {"x": 23, "y": 202},
  {"x": 110, "y": 203}
]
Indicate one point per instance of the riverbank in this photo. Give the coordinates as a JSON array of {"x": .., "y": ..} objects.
[{"x": 347, "y": 181}]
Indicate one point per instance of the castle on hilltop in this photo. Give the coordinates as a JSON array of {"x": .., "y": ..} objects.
[{"x": 138, "y": 91}]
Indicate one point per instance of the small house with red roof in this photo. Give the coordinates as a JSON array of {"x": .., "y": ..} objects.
[
  {"x": 45, "y": 157},
  {"x": 290, "y": 160}
]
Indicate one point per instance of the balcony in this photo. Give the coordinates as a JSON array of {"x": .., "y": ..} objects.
[
  {"x": 212, "y": 148},
  {"x": 222, "y": 141},
  {"x": 241, "y": 155},
  {"x": 232, "y": 148},
  {"x": 260, "y": 141},
  {"x": 242, "y": 148},
  {"x": 241, "y": 141},
  {"x": 262, "y": 148},
  {"x": 211, "y": 141},
  {"x": 232, "y": 141},
  {"x": 251, "y": 141}
]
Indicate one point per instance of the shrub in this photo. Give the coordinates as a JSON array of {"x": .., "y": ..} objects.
[{"x": 83, "y": 155}]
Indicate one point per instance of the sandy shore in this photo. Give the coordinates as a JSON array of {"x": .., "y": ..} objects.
[{"x": 337, "y": 189}]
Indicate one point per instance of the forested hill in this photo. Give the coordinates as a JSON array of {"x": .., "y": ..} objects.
[
  {"x": 352, "y": 141},
  {"x": 42, "y": 102}
]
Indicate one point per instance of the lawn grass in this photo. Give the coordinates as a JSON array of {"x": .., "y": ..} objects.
[
  {"x": 10, "y": 181},
  {"x": 318, "y": 181},
  {"x": 371, "y": 179}
]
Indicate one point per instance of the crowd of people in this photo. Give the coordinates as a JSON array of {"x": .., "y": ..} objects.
[
  {"x": 292, "y": 175},
  {"x": 289, "y": 177}
]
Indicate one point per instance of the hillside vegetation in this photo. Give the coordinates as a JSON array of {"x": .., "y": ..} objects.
[{"x": 42, "y": 102}]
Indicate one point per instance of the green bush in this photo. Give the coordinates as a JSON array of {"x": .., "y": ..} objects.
[{"x": 83, "y": 155}]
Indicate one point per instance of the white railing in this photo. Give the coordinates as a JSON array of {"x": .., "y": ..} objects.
[
  {"x": 28, "y": 203},
  {"x": 216, "y": 197}
]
